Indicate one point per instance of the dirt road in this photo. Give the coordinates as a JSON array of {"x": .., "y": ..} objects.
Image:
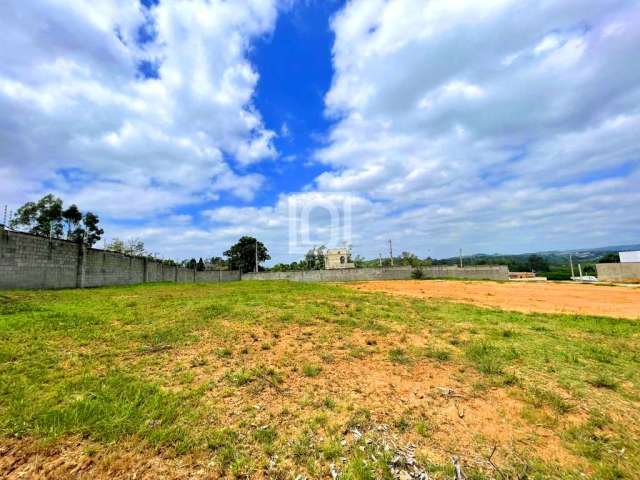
[{"x": 549, "y": 297}]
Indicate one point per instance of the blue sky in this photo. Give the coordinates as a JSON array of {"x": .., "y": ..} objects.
[
  {"x": 295, "y": 73},
  {"x": 496, "y": 126}
]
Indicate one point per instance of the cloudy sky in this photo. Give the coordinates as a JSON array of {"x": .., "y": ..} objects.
[{"x": 494, "y": 126}]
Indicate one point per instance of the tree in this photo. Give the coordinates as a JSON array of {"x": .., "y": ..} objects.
[
  {"x": 133, "y": 247},
  {"x": 89, "y": 231},
  {"x": 538, "y": 263},
  {"x": 242, "y": 255},
  {"x": 610, "y": 258},
  {"x": 314, "y": 258},
  {"x": 72, "y": 217},
  {"x": 408, "y": 258},
  {"x": 358, "y": 261},
  {"x": 218, "y": 263},
  {"x": 200, "y": 266},
  {"x": 43, "y": 217},
  {"x": 191, "y": 263},
  {"x": 115, "y": 245}
]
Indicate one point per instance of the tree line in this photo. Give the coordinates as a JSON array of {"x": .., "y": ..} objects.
[{"x": 48, "y": 218}]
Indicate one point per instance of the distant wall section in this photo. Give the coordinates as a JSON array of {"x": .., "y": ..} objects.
[
  {"x": 390, "y": 273},
  {"x": 618, "y": 272}
]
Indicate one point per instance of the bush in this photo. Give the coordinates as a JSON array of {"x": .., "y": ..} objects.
[{"x": 417, "y": 273}]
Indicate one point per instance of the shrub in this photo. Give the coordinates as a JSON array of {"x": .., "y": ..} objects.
[{"x": 417, "y": 273}]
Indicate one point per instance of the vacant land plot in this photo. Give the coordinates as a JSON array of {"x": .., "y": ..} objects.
[
  {"x": 548, "y": 297},
  {"x": 277, "y": 379}
]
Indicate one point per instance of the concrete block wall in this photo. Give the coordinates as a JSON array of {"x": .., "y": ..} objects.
[
  {"x": 481, "y": 272},
  {"x": 110, "y": 268},
  {"x": 30, "y": 261},
  {"x": 618, "y": 272},
  {"x": 217, "y": 276},
  {"x": 500, "y": 272},
  {"x": 27, "y": 261}
]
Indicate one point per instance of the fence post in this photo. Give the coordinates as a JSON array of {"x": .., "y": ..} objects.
[{"x": 145, "y": 270}]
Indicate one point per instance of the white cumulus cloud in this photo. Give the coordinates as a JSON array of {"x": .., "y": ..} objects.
[{"x": 79, "y": 115}]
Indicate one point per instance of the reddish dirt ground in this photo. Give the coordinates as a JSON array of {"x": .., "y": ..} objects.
[{"x": 546, "y": 297}]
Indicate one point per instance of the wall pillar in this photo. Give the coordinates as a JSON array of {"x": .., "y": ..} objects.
[
  {"x": 82, "y": 262},
  {"x": 145, "y": 270}
]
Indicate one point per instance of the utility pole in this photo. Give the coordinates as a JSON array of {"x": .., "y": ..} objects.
[
  {"x": 580, "y": 270},
  {"x": 571, "y": 263},
  {"x": 256, "y": 256},
  {"x": 4, "y": 222},
  {"x": 460, "y": 258},
  {"x": 391, "y": 252},
  {"x": 380, "y": 259}
]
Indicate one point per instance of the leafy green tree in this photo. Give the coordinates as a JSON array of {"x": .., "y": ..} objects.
[
  {"x": 200, "y": 267},
  {"x": 242, "y": 255},
  {"x": 90, "y": 232},
  {"x": 315, "y": 258},
  {"x": 408, "y": 258},
  {"x": 115, "y": 245},
  {"x": 191, "y": 263},
  {"x": 218, "y": 263},
  {"x": 610, "y": 258},
  {"x": 72, "y": 217},
  {"x": 43, "y": 217},
  {"x": 133, "y": 246},
  {"x": 538, "y": 263},
  {"x": 359, "y": 261}
]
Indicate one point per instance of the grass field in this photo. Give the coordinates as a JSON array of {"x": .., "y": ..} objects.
[{"x": 277, "y": 379}]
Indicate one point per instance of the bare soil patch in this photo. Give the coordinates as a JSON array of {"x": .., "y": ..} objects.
[{"x": 551, "y": 297}]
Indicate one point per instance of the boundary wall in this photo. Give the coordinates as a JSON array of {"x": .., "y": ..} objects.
[
  {"x": 31, "y": 261},
  {"x": 618, "y": 272},
  {"x": 499, "y": 272}
]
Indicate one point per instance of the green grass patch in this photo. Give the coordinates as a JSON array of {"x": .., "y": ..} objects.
[
  {"x": 399, "y": 355},
  {"x": 311, "y": 370}
]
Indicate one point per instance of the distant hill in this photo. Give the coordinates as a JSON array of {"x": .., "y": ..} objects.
[
  {"x": 552, "y": 264},
  {"x": 551, "y": 256}
]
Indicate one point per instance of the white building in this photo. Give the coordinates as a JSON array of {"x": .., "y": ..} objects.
[{"x": 337, "y": 258}]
